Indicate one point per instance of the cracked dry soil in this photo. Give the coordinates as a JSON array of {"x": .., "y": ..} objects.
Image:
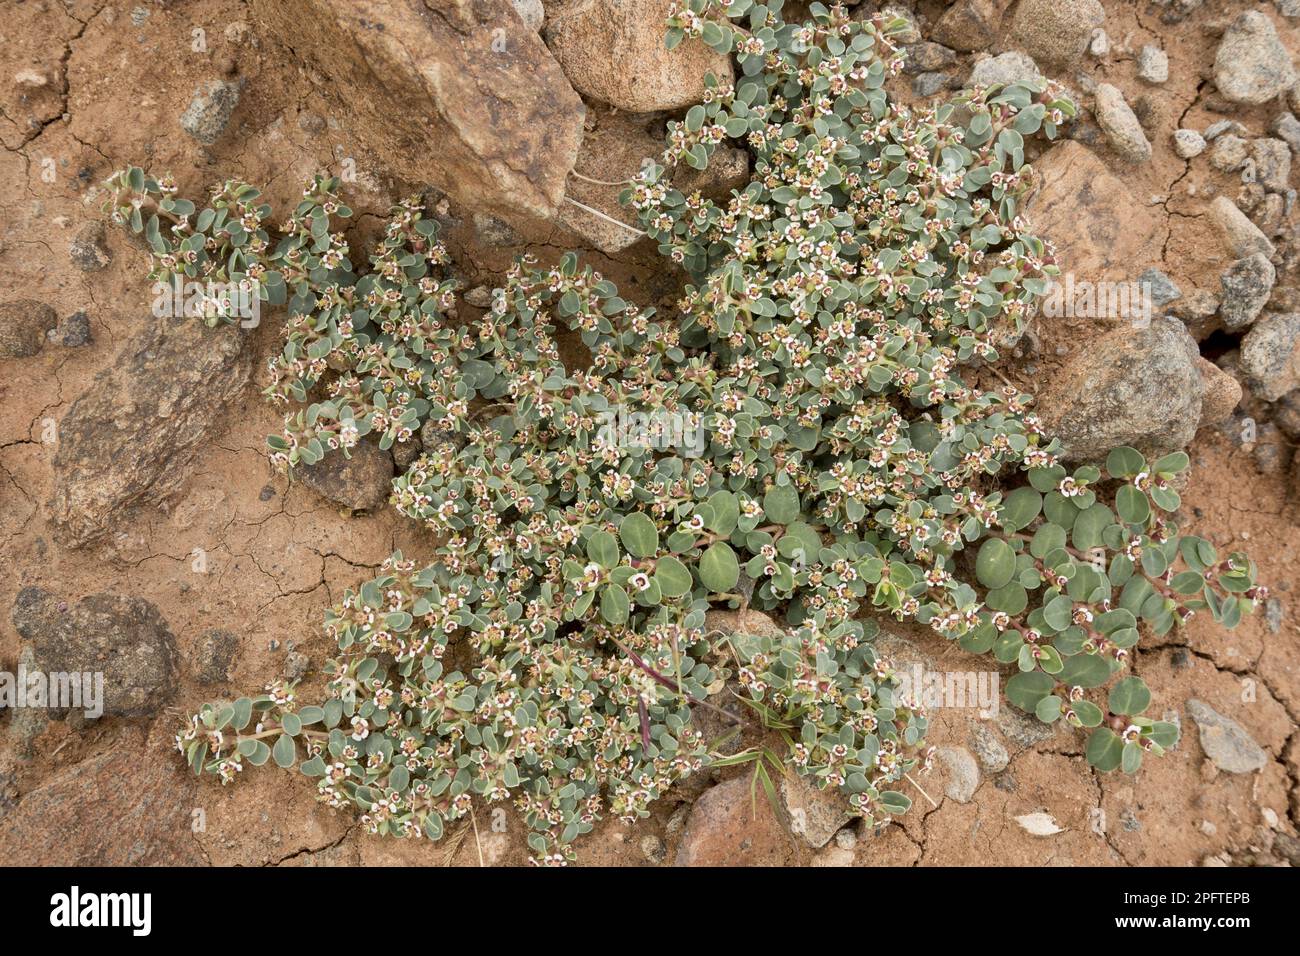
[{"x": 231, "y": 545}]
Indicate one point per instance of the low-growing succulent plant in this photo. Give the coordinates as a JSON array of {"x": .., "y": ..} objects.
[{"x": 801, "y": 440}]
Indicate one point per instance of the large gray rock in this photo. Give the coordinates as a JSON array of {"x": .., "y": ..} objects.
[
  {"x": 124, "y": 639},
  {"x": 1225, "y": 741},
  {"x": 210, "y": 109},
  {"x": 814, "y": 815},
  {"x": 461, "y": 95},
  {"x": 1003, "y": 70},
  {"x": 970, "y": 25},
  {"x": 1270, "y": 355},
  {"x": 361, "y": 480},
  {"x": 123, "y": 807},
  {"x": 1247, "y": 284},
  {"x": 1252, "y": 66},
  {"x": 1121, "y": 126},
  {"x": 1055, "y": 31},
  {"x": 130, "y": 437},
  {"x": 1138, "y": 387},
  {"x": 614, "y": 51}
]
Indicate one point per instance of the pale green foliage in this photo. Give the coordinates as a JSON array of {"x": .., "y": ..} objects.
[{"x": 553, "y": 646}]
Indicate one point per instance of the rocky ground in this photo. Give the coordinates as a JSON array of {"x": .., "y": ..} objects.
[{"x": 142, "y": 532}]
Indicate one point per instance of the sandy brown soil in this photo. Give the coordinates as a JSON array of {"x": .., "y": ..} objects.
[{"x": 277, "y": 553}]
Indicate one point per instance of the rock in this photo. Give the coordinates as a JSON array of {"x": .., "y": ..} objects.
[
  {"x": 1153, "y": 64},
  {"x": 361, "y": 482},
  {"x": 480, "y": 297},
  {"x": 215, "y": 656},
  {"x": 728, "y": 169},
  {"x": 1120, "y": 125},
  {"x": 613, "y": 151},
  {"x": 1139, "y": 387},
  {"x": 962, "y": 774},
  {"x": 531, "y": 12},
  {"x": 312, "y": 123},
  {"x": 1023, "y": 730},
  {"x": 1225, "y": 741},
  {"x": 928, "y": 84},
  {"x": 1270, "y": 355},
  {"x": 87, "y": 248},
  {"x": 990, "y": 753},
  {"x": 728, "y": 828},
  {"x": 26, "y": 724},
  {"x": 1252, "y": 66},
  {"x": 1160, "y": 287},
  {"x": 208, "y": 114},
  {"x": 1219, "y": 127},
  {"x": 1287, "y": 415},
  {"x": 1188, "y": 143},
  {"x": 1270, "y": 451},
  {"x": 140, "y": 421},
  {"x": 23, "y": 327},
  {"x": 1055, "y": 31},
  {"x": 125, "y": 639},
  {"x": 846, "y": 839},
  {"x": 1099, "y": 43},
  {"x": 653, "y": 849},
  {"x": 927, "y": 57},
  {"x": 123, "y": 807},
  {"x": 1199, "y": 311},
  {"x": 1039, "y": 824},
  {"x": 1247, "y": 284},
  {"x": 1003, "y": 70},
  {"x": 1272, "y": 159},
  {"x": 1099, "y": 229},
  {"x": 1230, "y": 153},
  {"x": 495, "y": 232},
  {"x": 74, "y": 331},
  {"x": 444, "y": 94},
  {"x": 970, "y": 25},
  {"x": 296, "y": 664},
  {"x": 1243, "y": 236},
  {"x": 1288, "y": 127},
  {"x": 748, "y": 621},
  {"x": 814, "y": 815},
  {"x": 613, "y": 51},
  {"x": 1222, "y": 394}
]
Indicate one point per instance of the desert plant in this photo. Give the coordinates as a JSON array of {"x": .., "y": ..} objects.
[{"x": 802, "y": 440}]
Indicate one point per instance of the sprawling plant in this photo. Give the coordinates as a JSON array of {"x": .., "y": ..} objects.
[{"x": 801, "y": 439}]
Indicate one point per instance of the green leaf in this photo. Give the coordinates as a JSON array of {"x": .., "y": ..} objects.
[
  {"x": 258, "y": 754},
  {"x": 1105, "y": 749},
  {"x": 781, "y": 504},
  {"x": 1021, "y": 508},
  {"x": 1132, "y": 504},
  {"x": 639, "y": 535},
  {"x": 995, "y": 565},
  {"x": 719, "y": 569},
  {"x": 615, "y": 607},
  {"x": 1025, "y": 690},
  {"x": 602, "y": 548},
  {"x": 284, "y": 752},
  {"x": 674, "y": 578},
  {"x": 1057, "y": 613},
  {"x": 1125, "y": 462},
  {"x": 1084, "y": 670},
  {"x": 1129, "y": 696}
]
